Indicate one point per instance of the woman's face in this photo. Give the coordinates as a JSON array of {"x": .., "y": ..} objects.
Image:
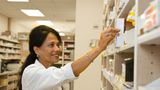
[{"x": 49, "y": 52}]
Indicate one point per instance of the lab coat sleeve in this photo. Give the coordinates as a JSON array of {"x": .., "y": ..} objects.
[{"x": 46, "y": 79}]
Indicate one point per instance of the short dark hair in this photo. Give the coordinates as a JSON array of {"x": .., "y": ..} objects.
[{"x": 36, "y": 38}]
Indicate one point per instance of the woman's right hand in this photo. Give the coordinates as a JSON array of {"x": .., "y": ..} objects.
[{"x": 106, "y": 36}]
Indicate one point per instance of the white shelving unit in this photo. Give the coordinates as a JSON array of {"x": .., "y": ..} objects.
[
  {"x": 127, "y": 6},
  {"x": 147, "y": 52},
  {"x": 144, "y": 51},
  {"x": 10, "y": 56},
  {"x": 67, "y": 57},
  {"x": 67, "y": 52},
  {"x": 150, "y": 37},
  {"x": 9, "y": 49},
  {"x": 9, "y": 80}
]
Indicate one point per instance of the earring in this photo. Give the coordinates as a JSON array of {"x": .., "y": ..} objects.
[{"x": 37, "y": 55}]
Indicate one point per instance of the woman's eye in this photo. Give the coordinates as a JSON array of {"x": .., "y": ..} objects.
[
  {"x": 58, "y": 45},
  {"x": 54, "y": 44},
  {"x": 51, "y": 45}
]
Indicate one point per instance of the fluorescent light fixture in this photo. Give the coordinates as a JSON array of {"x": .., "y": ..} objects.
[
  {"x": 62, "y": 34},
  {"x": 18, "y": 0},
  {"x": 44, "y": 22},
  {"x": 31, "y": 12}
]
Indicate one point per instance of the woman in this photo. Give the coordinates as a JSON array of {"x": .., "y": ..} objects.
[{"x": 38, "y": 72}]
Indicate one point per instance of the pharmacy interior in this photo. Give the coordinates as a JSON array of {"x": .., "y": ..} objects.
[{"x": 130, "y": 62}]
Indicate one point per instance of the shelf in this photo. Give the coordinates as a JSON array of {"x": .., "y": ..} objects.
[
  {"x": 126, "y": 8},
  {"x": 108, "y": 75},
  {"x": 6, "y": 39},
  {"x": 112, "y": 23},
  {"x": 8, "y": 73},
  {"x": 143, "y": 49},
  {"x": 114, "y": 80},
  {"x": 70, "y": 47},
  {"x": 1, "y": 86},
  {"x": 66, "y": 59},
  {"x": 127, "y": 49},
  {"x": 67, "y": 51},
  {"x": 111, "y": 53},
  {"x": 154, "y": 85},
  {"x": 8, "y": 59},
  {"x": 69, "y": 41},
  {"x": 111, "y": 3},
  {"x": 150, "y": 38},
  {"x": 9, "y": 80},
  {"x": 149, "y": 88},
  {"x": 148, "y": 64},
  {"x": 7, "y": 52},
  {"x": 7, "y": 46},
  {"x": 13, "y": 78}
]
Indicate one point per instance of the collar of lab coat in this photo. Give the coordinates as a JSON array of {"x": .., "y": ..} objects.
[{"x": 39, "y": 64}]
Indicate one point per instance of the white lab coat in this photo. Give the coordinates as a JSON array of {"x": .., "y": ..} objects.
[{"x": 37, "y": 77}]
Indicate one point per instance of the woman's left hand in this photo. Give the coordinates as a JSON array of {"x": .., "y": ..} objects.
[{"x": 107, "y": 36}]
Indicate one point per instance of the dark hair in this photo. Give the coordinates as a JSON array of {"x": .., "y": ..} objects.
[{"x": 36, "y": 38}]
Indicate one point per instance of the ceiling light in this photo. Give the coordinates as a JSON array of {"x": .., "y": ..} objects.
[
  {"x": 62, "y": 34},
  {"x": 18, "y": 0},
  {"x": 31, "y": 12},
  {"x": 44, "y": 22}
]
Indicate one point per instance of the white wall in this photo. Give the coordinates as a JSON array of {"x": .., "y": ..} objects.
[
  {"x": 16, "y": 27},
  {"x": 88, "y": 14},
  {"x": 3, "y": 23}
]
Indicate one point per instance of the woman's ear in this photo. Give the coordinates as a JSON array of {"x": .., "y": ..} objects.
[{"x": 36, "y": 50}]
